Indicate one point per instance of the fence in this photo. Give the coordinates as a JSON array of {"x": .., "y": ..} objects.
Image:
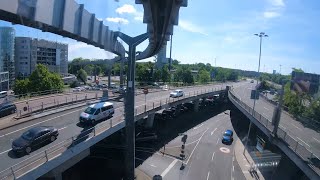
[
  {"x": 54, "y": 151},
  {"x": 301, "y": 150}
]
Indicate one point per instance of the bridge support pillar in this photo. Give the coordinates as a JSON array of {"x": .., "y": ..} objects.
[
  {"x": 196, "y": 105},
  {"x": 178, "y": 109},
  {"x": 150, "y": 120}
]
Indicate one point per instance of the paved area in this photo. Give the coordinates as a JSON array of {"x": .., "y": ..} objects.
[{"x": 206, "y": 157}]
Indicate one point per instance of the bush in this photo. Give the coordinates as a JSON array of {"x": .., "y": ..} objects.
[{"x": 74, "y": 84}]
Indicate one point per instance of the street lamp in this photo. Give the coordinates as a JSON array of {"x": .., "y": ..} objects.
[{"x": 261, "y": 35}]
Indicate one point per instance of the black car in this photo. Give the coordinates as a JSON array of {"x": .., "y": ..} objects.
[
  {"x": 7, "y": 109},
  {"x": 34, "y": 138}
]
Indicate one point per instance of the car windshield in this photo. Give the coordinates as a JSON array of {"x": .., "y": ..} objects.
[
  {"x": 90, "y": 110},
  {"x": 226, "y": 134},
  {"x": 176, "y": 91},
  {"x": 27, "y": 135}
]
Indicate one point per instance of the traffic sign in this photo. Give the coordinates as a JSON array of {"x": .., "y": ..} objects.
[{"x": 145, "y": 91}]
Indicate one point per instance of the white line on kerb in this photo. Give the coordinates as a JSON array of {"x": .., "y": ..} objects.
[
  {"x": 212, "y": 156},
  {"x": 303, "y": 141},
  {"x": 213, "y": 131},
  {"x": 208, "y": 175},
  {"x": 165, "y": 172}
]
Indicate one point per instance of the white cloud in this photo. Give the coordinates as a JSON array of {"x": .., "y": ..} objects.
[
  {"x": 189, "y": 26},
  {"x": 117, "y": 20},
  {"x": 126, "y": 8},
  {"x": 80, "y": 49},
  {"x": 100, "y": 19},
  {"x": 277, "y": 3},
  {"x": 271, "y": 14},
  {"x": 138, "y": 16}
]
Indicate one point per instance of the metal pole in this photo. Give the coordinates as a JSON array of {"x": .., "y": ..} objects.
[
  {"x": 254, "y": 100},
  {"x": 121, "y": 72},
  {"x": 129, "y": 102}
]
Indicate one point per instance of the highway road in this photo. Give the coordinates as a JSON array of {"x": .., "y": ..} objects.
[
  {"x": 206, "y": 157},
  {"x": 67, "y": 123},
  {"x": 306, "y": 136}
]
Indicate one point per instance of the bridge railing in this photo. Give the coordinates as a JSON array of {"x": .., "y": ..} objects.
[
  {"x": 86, "y": 134},
  {"x": 304, "y": 152}
]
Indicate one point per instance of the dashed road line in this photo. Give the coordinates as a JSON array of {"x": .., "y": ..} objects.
[
  {"x": 212, "y": 156},
  {"x": 303, "y": 141},
  {"x": 297, "y": 127},
  {"x": 217, "y": 141},
  {"x": 213, "y": 131},
  {"x": 198, "y": 126},
  {"x": 196, "y": 145},
  {"x": 62, "y": 128},
  {"x": 208, "y": 175},
  {"x": 316, "y": 139}
]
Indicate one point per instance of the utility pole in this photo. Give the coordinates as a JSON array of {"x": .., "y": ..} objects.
[
  {"x": 262, "y": 34},
  {"x": 132, "y": 42}
]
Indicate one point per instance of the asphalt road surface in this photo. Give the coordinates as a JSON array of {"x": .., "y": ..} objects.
[
  {"x": 67, "y": 123},
  {"x": 207, "y": 158},
  {"x": 306, "y": 136}
]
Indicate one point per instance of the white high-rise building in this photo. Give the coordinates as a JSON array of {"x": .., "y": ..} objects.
[{"x": 30, "y": 52}]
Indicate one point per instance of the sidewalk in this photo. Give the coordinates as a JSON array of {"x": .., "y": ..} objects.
[
  {"x": 245, "y": 161},
  {"x": 140, "y": 175}
]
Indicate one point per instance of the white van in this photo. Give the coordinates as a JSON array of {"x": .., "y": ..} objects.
[{"x": 97, "y": 112}]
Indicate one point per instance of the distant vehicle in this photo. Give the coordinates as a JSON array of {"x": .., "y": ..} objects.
[
  {"x": 146, "y": 136},
  {"x": 227, "y": 137},
  {"x": 7, "y": 109},
  {"x": 89, "y": 78},
  {"x": 119, "y": 90},
  {"x": 78, "y": 89},
  {"x": 251, "y": 81},
  {"x": 34, "y": 138},
  {"x": 97, "y": 112},
  {"x": 3, "y": 94},
  {"x": 176, "y": 93},
  {"x": 165, "y": 87}
]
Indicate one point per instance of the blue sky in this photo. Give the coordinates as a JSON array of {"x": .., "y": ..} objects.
[{"x": 221, "y": 29}]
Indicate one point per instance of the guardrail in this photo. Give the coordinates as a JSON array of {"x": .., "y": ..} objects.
[
  {"x": 55, "y": 102},
  {"x": 305, "y": 153},
  {"x": 42, "y": 157}
]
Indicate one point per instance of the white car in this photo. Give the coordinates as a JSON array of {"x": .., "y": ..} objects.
[
  {"x": 78, "y": 89},
  {"x": 176, "y": 93}
]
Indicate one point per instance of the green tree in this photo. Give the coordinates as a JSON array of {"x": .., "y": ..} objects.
[
  {"x": 82, "y": 76},
  {"x": 165, "y": 74},
  {"x": 21, "y": 86},
  {"x": 297, "y": 70},
  {"x": 204, "y": 76},
  {"x": 89, "y": 69}
]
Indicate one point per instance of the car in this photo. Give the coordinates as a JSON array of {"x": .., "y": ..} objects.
[
  {"x": 78, "y": 89},
  {"x": 251, "y": 81},
  {"x": 176, "y": 93},
  {"x": 96, "y": 112},
  {"x": 227, "y": 137},
  {"x": 7, "y": 109},
  {"x": 119, "y": 90},
  {"x": 34, "y": 138}
]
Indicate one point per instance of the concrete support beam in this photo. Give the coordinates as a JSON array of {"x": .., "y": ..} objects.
[
  {"x": 196, "y": 105},
  {"x": 150, "y": 120},
  {"x": 56, "y": 173},
  {"x": 109, "y": 78}
]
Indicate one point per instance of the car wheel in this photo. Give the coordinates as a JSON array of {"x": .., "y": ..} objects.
[
  {"x": 93, "y": 121},
  {"x": 28, "y": 150},
  {"x": 52, "y": 138},
  {"x": 13, "y": 111}
]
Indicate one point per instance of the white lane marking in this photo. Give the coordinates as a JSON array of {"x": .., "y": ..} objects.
[
  {"x": 165, "y": 172},
  {"x": 198, "y": 126},
  {"x": 62, "y": 128},
  {"x": 196, "y": 145},
  {"x": 153, "y": 165},
  {"x": 213, "y": 131},
  {"x": 282, "y": 127},
  {"x": 208, "y": 175},
  {"x": 5, "y": 151},
  {"x": 303, "y": 141},
  {"x": 316, "y": 139},
  {"x": 232, "y": 168},
  {"x": 37, "y": 123},
  {"x": 266, "y": 108},
  {"x": 217, "y": 141},
  {"x": 297, "y": 127},
  {"x": 212, "y": 156}
]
